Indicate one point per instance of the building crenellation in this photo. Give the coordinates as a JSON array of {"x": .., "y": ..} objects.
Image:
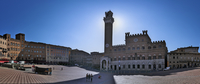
[{"x": 127, "y": 34}]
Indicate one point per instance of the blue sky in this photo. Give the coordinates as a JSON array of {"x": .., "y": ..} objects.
[{"x": 79, "y": 23}]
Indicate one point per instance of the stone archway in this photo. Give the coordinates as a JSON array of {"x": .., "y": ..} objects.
[{"x": 103, "y": 64}]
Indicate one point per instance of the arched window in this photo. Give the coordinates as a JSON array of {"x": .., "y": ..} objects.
[
  {"x": 124, "y": 49},
  {"x": 143, "y": 66},
  {"x": 138, "y": 66},
  {"x": 115, "y": 59},
  {"x": 129, "y": 58},
  {"x": 143, "y": 47},
  {"x": 149, "y": 66},
  {"x": 129, "y": 66},
  {"x": 133, "y": 66},
  {"x": 160, "y": 46},
  {"x": 119, "y": 58},
  {"x": 124, "y": 58},
  {"x": 129, "y": 48}
]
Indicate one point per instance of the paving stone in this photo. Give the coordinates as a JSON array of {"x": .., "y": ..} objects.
[{"x": 10, "y": 76}]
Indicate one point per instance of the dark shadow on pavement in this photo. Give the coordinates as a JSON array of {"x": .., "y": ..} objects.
[
  {"x": 151, "y": 73},
  {"x": 89, "y": 68},
  {"x": 106, "y": 78}
]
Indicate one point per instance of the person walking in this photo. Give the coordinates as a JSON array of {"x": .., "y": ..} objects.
[
  {"x": 86, "y": 76},
  {"x": 50, "y": 71},
  {"x": 99, "y": 76},
  {"x": 91, "y": 77},
  {"x": 33, "y": 68}
]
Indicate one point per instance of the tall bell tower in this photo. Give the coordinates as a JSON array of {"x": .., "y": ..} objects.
[{"x": 108, "y": 19}]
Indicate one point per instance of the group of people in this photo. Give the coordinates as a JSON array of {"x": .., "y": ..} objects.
[{"x": 89, "y": 77}]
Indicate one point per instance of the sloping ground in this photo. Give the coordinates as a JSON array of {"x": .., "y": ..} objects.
[
  {"x": 179, "y": 76},
  {"x": 69, "y": 75}
]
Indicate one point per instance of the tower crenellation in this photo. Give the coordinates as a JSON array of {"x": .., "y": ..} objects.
[
  {"x": 144, "y": 32},
  {"x": 127, "y": 34}
]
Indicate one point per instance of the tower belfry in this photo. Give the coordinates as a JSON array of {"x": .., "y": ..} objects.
[{"x": 108, "y": 19}]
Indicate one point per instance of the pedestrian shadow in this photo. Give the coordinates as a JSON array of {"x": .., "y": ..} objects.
[{"x": 106, "y": 78}]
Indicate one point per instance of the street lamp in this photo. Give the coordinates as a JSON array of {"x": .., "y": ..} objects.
[{"x": 119, "y": 64}]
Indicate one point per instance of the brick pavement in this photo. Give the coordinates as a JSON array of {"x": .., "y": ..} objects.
[
  {"x": 76, "y": 75},
  {"x": 10, "y": 76},
  {"x": 69, "y": 75}
]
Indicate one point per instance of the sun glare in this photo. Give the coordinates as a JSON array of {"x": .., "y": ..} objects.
[{"x": 118, "y": 23}]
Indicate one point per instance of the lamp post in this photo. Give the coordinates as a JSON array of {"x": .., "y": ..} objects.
[{"x": 119, "y": 66}]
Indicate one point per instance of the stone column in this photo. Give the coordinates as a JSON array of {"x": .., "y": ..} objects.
[
  {"x": 117, "y": 68},
  {"x": 101, "y": 65},
  {"x": 157, "y": 66},
  {"x": 146, "y": 66},
  {"x": 136, "y": 66},
  {"x": 106, "y": 65}
]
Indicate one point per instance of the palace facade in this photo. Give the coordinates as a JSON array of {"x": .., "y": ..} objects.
[{"x": 138, "y": 52}]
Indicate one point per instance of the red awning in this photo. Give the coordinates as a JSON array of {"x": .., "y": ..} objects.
[{"x": 3, "y": 61}]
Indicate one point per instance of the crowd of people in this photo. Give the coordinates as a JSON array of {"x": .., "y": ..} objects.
[{"x": 89, "y": 77}]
